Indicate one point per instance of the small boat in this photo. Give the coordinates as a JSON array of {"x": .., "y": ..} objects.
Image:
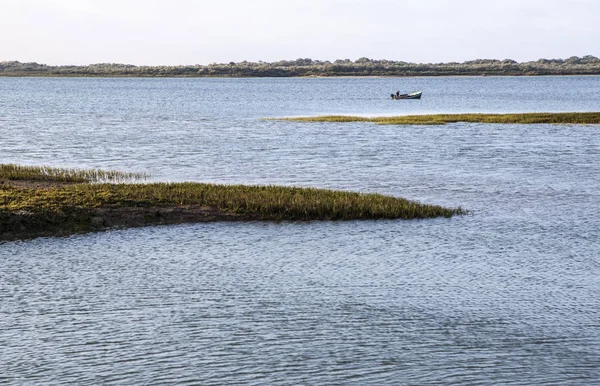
[{"x": 414, "y": 95}]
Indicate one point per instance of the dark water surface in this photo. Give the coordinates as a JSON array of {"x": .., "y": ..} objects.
[{"x": 507, "y": 295}]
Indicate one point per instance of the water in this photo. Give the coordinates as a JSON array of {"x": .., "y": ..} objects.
[{"x": 507, "y": 295}]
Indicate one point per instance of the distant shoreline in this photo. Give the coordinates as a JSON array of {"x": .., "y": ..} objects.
[
  {"x": 307, "y": 68},
  {"x": 31, "y": 76}
]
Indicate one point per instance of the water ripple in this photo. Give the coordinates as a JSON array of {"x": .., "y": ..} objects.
[{"x": 508, "y": 295}]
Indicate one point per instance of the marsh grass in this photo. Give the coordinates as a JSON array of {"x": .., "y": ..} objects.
[
  {"x": 267, "y": 202},
  {"x": 441, "y": 119},
  {"x": 51, "y": 174},
  {"x": 83, "y": 204}
]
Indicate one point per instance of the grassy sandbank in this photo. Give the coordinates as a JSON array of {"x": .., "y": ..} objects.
[
  {"x": 441, "y": 119},
  {"x": 28, "y": 207}
]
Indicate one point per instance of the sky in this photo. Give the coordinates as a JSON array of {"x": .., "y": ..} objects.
[{"x": 187, "y": 32}]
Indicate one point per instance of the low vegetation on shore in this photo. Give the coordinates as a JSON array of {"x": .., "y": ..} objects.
[
  {"x": 28, "y": 208},
  {"x": 50, "y": 174},
  {"x": 441, "y": 119},
  {"x": 587, "y": 65}
]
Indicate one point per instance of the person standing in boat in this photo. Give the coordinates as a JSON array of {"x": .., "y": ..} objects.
[{"x": 397, "y": 93}]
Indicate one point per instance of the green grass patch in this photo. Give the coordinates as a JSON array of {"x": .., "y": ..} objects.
[
  {"x": 51, "y": 174},
  {"x": 441, "y": 119},
  {"x": 269, "y": 202},
  {"x": 76, "y": 201}
]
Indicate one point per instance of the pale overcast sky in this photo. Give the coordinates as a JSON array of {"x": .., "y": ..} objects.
[{"x": 161, "y": 32}]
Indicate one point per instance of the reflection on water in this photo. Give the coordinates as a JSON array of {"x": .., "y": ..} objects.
[{"x": 507, "y": 295}]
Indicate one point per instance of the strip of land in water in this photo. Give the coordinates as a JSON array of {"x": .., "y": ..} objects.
[
  {"x": 40, "y": 201},
  {"x": 591, "y": 118}
]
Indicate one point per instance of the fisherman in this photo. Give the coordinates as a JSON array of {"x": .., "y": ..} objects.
[
  {"x": 397, "y": 93},
  {"x": 393, "y": 96}
]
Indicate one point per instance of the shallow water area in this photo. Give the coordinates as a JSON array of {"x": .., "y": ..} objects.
[{"x": 506, "y": 295}]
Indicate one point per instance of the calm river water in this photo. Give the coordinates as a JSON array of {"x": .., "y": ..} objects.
[{"x": 507, "y": 295}]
